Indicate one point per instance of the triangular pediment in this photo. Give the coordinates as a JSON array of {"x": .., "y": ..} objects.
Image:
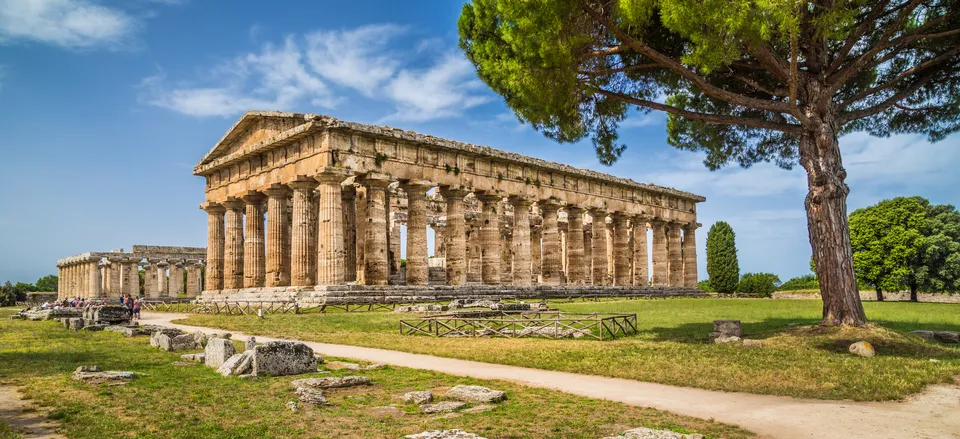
[{"x": 253, "y": 127}]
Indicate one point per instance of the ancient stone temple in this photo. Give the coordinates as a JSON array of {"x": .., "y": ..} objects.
[
  {"x": 306, "y": 203},
  {"x": 113, "y": 274}
]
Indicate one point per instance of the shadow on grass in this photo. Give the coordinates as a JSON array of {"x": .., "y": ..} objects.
[{"x": 700, "y": 332}]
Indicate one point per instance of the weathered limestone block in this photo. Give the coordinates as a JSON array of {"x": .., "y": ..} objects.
[
  {"x": 442, "y": 407},
  {"x": 862, "y": 349},
  {"x": 310, "y": 395},
  {"x": 475, "y": 394},
  {"x": 218, "y": 350},
  {"x": 76, "y": 323},
  {"x": 726, "y": 328},
  {"x": 111, "y": 314},
  {"x": 332, "y": 382},
  {"x": 235, "y": 364},
  {"x": 444, "y": 434},
  {"x": 647, "y": 433},
  {"x": 176, "y": 343},
  {"x": 418, "y": 397},
  {"x": 197, "y": 358},
  {"x": 93, "y": 375},
  {"x": 278, "y": 358}
]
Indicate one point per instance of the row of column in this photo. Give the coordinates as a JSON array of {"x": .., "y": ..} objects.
[
  {"x": 118, "y": 277},
  {"x": 312, "y": 231}
]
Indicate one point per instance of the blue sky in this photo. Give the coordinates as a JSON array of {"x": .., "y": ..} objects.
[{"x": 106, "y": 106}]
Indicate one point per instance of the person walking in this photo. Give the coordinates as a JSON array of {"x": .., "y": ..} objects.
[{"x": 136, "y": 309}]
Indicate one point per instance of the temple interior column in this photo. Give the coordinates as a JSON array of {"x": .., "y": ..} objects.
[
  {"x": 611, "y": 258},
  {"x": 233, "y": 247},
  {"x": 277, "y": 221},
  {"x": 506, "y": 257},
  {"x": 330, "y": 252},
  {"x": 588, "y": 253},
  {"x": 674, "y": 256},
  {"x": 115, "y": 278},
  {"x": 361, "y": 203},
  {"x": 474, "y": 260},
  {"x": 439, "y": 242},
  {"x": 552, "y": 265},
  {"x": 659, "y": 252},
  {"x": 176, "y": 277},
  {"x": 536, "y": 258},
  {"x": 455, "y": 239},
  {"x": 254, "y": 246},
  {"x": 215, "y": 243},
  {"x": 418, "y": 270},
  {"x": 599, "y": 246},
  {"x": 150, "y": 279},
  {"x": 489, "y": 239},
  {"x": 348, "y": 197},
  {"x": 131, "y": 277},
  {"x": 94, "y": 278},
  {"x": 193, "y": 278},
  {"x": 621, "y": 250},
  {"x": 690, "y": 255},
  {"x": 641, "y": 263},
  {"x": 576, "y": 266},
  {"x": 521, "y": 240},
  {"x": 564, "y": 258},
  {"x": 376, "y": 269},
  {"x": 302, "y": 238},
  {"x": 162, "y": 278}
]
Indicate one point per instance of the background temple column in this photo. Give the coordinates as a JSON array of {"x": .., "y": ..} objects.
[
  {"x": 506, "y": 257},
  {"x": 489, "y": 239},
  {"x": 690, "y": 255},
  {"x": 302, "y": 238},
  {"x": 277, "y": 237},
  {"x": 330, "y": 253},
  {"x": 376, "y": 269},
  {"x": 474, "y": 259},
  {"x": 161, "y": 278},
  {"x": 254, "y": 250},
  {"x": 150, "y": 279},
  {"x": 215, "y": 236},
  {"x": 193, "y": 278},
  {"x": 131, "y": 277},
  {"x": 348, "y": 197},
  {"x": 439, "y": 243},
  {"x": 176, "y": 277},
  {"x": 659, "y": 252},
  {"x": 418, "y": 271},
  {"x": 536, "y": 258},
  {"x": 674, "y": 255},
  {"x": 621, "y": 250},
  {"x": 361, "y": 203},
  {"x": 575, "y": 254},
  {"x": 115, "y": 279},
  {"x": 456, "y": 239},
  {"x": 94, "y": 278},
  {"x": 599, "y": 246},
  {"x": 552, "y": 265},
  {"x": 232, "y": 247},
  {"x": 521, "y": 240},
  {"x": 641, "y": 262}
]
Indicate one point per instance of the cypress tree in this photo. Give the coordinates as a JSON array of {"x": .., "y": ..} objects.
[{"x": 722, "y": 265}]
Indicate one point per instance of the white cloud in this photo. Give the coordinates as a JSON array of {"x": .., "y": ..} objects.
[
  {"x": 901, "y": 159},
  {"x": 636, "y": 120},
  {"x": 364, "y": 59},
  {"x": 760, "y": 180},
  {"x": 73, "y": 24}
]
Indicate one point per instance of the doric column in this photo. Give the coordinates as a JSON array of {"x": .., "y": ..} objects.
[
  {"x": 330, "y": 253},
  {"x": 254, "y": 250},
  {"x": 577, "y": 265},
  {"x": 506, "y": 258},
  {"x": 690, "y": 255},
  {"x": 659, "y": 252},
  {"x": 599, "y": 246},
  {"x": 193, "y": 278},
  {"x": 215, "y": 237},
  {"x": 641, "y": 262},
  {"x": 536, "y": 258},
  {"x": 439, "y": 243},
  {"x": 521, "y": 240},
  {"x": 303, "y": 240},
  {"x": 277, "y": 237},
  {"x": 361, "y": 203},
  {"x": 232, "y": 247},
  {"x": 94, "y": 278},
  {"x": 674, "y": 255},
  {"x": 150, "y": 280},
  {"x": 621, "y": 250},
  {"x": 115, "y": 279},
  {"x": 456, "y": 239},
  {"x": 474, "y": 264},
  {"x": 176, "y": 277},
  {"x": 348, "y": 197},
  {"x": 376, "y": 270},
  {"x": 490, "y": 238},
  {"x": 418, "y": 271},
  {"x": 552, "y": 265},
  {"x": 162, "y": 278},
  {"x": 131, "y": 277}
]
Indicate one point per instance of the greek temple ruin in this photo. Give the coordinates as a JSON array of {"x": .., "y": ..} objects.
[
  {"x": 300, "y": 203},
  {"x": 97, "y": 275}
]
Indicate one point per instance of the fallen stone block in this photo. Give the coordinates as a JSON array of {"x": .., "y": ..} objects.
[
  {"x": 724, "y": 339},
  {"x": 250, "y": 343},
  {"x": 418, "y": 397},
  {"x": 926, "y": 335},
  {"x": 111, "y": 314},
  {"x": 197, "y": 358},
  {"x": 17, "y": 317},
  {"x": 479, "y": 408},
  {"x": 169, "y": 332},
  {"x": 475, "y": 394},
  {"x": 862, "y": 349},
  {"x": 444, "y": 434},
  {"x": 279, "y": 358},
  {"x": 76, "y": 324},
  {"x": 93, "y": 328},
  {"x": 649, "y": 433},
  {"x": 217, "y": 351},
  {"x": 442, "y": 407},
  {"x": 331, "y": 382},
  {"x": 129, "y": 331},
  {"x": 726, "y": 328},
  {"x": 310, "y": 395},
  {"x": 293, "y": 406},
  {"x": 947, "y": 336},
  {"x": 749, "y": 343},
  {"x": 176, "y": 343},
  {"x": 236, "y": 365},
  {"x": 102, "y": 377}
]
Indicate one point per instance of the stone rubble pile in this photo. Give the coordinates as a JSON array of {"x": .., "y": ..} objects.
[
  {"x": 94, "y": 375},
  {"x": 941, "y": 336},
  {"x": 726, "y": 331},
  {"x": 475, "y": 394},
  {"x": 649, "y": 433},
  {"x": 310, "y": 390},
  {"x": 174, "y": 340}
]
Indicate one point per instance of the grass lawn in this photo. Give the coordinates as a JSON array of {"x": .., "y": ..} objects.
[
  {"x": 797, "y": 359},
  {"x": 169, "y": 401}
]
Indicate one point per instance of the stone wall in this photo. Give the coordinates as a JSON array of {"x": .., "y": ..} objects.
[{"x": 871, "y": 296}]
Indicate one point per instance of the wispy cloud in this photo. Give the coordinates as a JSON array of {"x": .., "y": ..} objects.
[
  {"x": 320, "y": 67},
  {"x": 71, "y": 24}
]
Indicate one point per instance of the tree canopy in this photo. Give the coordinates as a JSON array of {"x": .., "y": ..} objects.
[
  {"x": 744, "y": 81},
  {"x": 722, "y": 265},
  {"x": 887, "y": 240}
]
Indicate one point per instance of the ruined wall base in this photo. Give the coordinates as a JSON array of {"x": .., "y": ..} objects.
[{"x": 353, "y": 294}]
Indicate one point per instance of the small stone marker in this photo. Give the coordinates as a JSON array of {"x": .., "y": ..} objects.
[
  {"x": 218, "y": 350},
  {"x": 475, "y": 394},
  {"x": 420, "y": 397},
  {"x": 310, "y": 395},
  {"x": 293, "y": 406},
  {"x": 279, "y": 358},
  {"x": 726, "y": 328},
  {"x": 251, "y": 343},
  {"x": 862, "y": 349}
]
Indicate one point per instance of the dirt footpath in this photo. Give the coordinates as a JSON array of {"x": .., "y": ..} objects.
[{"x": 23, "y": 418}]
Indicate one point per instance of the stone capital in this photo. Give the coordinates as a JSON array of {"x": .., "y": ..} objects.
[
  {"x": 574, "y": 209},
  {"x": 488, "y": 196},
  {"x": 213, "y": 208},
  {"x": 162, "y": 264},
  {"x": 520, "y": 201},
  {"x": 598, "y": 212},
  {"x": 550, "y": 205},
  {"x": 330, "y": 174},
  {"x": 303, "y": 182},
  {"x": 413, "y": 185},
  {"x": 234, "y": 203},
  {"x": 254, "y": 197},
  {"x": 692, "y": 226},
  {"x": 452, "y": 192},
  {"x": 375, "y": 180},
  {"x": 277, "y": 190}
]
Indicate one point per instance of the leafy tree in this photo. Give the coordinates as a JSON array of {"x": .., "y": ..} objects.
[
  {"x": 705, "y": 286},
  {"x": 722, "y": 265},
  {"x": 23, "y": 287},
  {"x": 743, "y": 80},
  {"x": 805, "y": 282},
  {"x": 887, "y": 241},
  {"x": 10, "y": 294},
  {"x": 939, "y": 262},
  {"x": 48, "y": 283},
  {"x": 760, "y": 284}
]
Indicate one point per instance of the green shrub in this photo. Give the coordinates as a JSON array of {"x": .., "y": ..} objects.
[
  {"x": 805, "y": 282},
  {"x": 705, "y": 286},
  {"x": 760, "y": 284}
]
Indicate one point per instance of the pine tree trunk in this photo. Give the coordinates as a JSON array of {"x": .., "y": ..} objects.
[
  {"x": 913, "y": 293},
  {"x": 826, "y": 206},
  {"x": 879, "y": 295}
]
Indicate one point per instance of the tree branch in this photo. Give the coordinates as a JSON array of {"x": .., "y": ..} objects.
[
  {"x": 607, "y": 51},
  {"x": 917, "y": 68},
  {"x": 775, "y": 92},
  {"x": 602, "y": 72},
  {"x": 709, "y": 118},
  {"x": 848, "y": 116},
  {"x": 857, "y": 34}
]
